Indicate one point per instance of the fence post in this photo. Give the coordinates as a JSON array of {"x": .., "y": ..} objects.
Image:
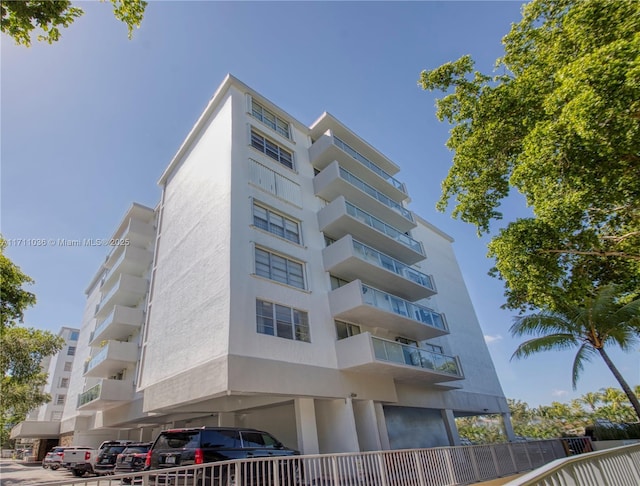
[
  {"x": 474, "y": 462},
  {"x": 450, "y": 468},
  {"x": 383, "y": 469},
  {"x": 334, "y": 471},
  {"x": 419, "y": 469}
]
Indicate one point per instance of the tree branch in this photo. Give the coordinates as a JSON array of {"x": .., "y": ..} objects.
[{"x": 621, "y": 254}]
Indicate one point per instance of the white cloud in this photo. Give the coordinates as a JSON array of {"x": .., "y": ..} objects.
[
  {"x": 492, "y": 339},
  {"x": 559, "y": 393}
]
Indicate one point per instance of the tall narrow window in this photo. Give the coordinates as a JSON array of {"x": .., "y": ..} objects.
[
  {"x": 71, "y": 351},
  {"x": 279, "y": 268},
  {"x": 282, "y": 321},
  {"x": 275, "y": 223},
  {"x": 271, "y": 149}
]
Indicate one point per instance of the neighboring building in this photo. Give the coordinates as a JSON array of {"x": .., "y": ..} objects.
[
  {"x": 281, "y": 283},
  {"x": 43, "y": 423}
]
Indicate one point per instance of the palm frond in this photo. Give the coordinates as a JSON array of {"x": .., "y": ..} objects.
[
  {"x": 542, "y": 323},
  {"x": 584, "y": 354},
  {"x": 556, "y": 342}
]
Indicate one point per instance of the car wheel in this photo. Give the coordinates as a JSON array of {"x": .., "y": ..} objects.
[
  {"x": 54, "y": 466},
  {"x": 78, "y": 473}
]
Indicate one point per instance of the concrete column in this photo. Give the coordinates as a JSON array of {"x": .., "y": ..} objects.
[
  {"x": 367, "y": 425},
  {"x": 385, "y": 445},
  {"x": 226, "y": 419},
  {"x": 508, "y": 428},
  {"x": 336, "y": 426},
  {"x": 306, "y": 426},
  {"x": 450, "y": 426}
]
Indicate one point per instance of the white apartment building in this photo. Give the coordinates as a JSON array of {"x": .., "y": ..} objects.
[
  {"x": 43, "y": 423},
  {"x": 281, "y": 283}
]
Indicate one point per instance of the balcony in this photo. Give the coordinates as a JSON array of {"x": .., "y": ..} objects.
[
  {"x": 121, "y": 323},
  {"x": 111, "y": 359},
  {"x": 364, "y": 352},
  {"x": 349, "y": 259},
  {"x": 361, "y": 304},
  {"x": 329, "y": 148},
  {"x": 106, "y": 394},
  {"x": 127, "y": 291},
  {"x": 340, "y": 218},
  {"x": 334, "y": 181},
  {"x": 137, "y": 232},
  {"x": 131, "y": 260}
]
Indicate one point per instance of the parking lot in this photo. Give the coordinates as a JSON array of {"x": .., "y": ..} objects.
[{"x": 16, "y": 472}]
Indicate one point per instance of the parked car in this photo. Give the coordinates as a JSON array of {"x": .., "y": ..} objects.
[
  {"x": 53, "y": 459},
  {"x": 132, "y": 459},
  {"x": 186, "y": 447},
  {"x": 105, "y": 462},
  {"x": 73, "y": 454}
]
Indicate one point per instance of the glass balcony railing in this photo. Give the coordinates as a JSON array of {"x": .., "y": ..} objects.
[
  {"x": 367, "y": 163},
  {"x": 374, "y": 193},
  {"x": 104, "y": 324},
  {"x": 401, "y": 307},
  {"x": 384, "y": 261},
  {"x": 90, "y": 395},
  {"x": 410, "y": 355},
  {"x": 113, "y": 268},
  {"x": 106, "y": 298},
  {"x": 97, "y": 359},
  {"x": 383, "y": 227}
]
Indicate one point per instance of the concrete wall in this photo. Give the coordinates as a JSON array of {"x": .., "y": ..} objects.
[
  {"x": 279, "y": 421},
  {"x": 188, "y": 321}
]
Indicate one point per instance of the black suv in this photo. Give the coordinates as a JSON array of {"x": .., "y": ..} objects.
[
  {"x": 106, "y": 460},
  {"x": 186, "y": 447},
  {"x": 132, "y": 459}
]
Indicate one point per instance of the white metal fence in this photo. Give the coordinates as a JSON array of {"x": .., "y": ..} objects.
[
  {"x": 441, "y": 466},
  {"x": 615, "y": 467}
]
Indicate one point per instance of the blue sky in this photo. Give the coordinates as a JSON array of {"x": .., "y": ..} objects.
[{"x": 89, "y": 124}]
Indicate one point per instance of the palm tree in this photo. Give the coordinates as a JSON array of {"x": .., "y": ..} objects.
[
  {"x": 591, "y": 399},
  {"x": 601, "y": 320}
]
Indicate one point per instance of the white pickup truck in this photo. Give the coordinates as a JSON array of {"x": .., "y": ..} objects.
[{"x": 85, "y": 461}]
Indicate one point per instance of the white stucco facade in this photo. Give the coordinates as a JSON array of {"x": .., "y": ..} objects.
[{"x": 281, "y": 283}]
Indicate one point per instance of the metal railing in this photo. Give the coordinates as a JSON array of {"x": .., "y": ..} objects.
[
  {"x": 440, "y": 466},
  {"x": 378, "y": 224},
  {"x": 367, "y": 163},
  {"x": 386, "y": 350},
  {"x": 396, "y": 305},
  {"x": 374, "y": 193},
  {"x": 617, "y": 466},
  {"x": 389, "y": 263}
]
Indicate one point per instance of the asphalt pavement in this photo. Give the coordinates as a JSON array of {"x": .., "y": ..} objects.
[{"x": 16, "y": 472}]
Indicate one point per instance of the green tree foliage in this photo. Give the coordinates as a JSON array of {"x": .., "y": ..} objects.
[
  {"x": 554, "y": 420},
  {"x": 21, "y": 349},
  {"x": 21, "y": 18},
  {"x": 560, "y": 124},
  {"x": 600, "y": 321}
]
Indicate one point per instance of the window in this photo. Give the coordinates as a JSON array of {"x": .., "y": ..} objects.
[
  {"x": 270, "y": 181},
  {"x": 346, "y": 330},
  {"x": 68, "y": 365},
  {"x": 407, "y": 341},
  {"x": 337, "y": 282},
  {"x": 60, "y": 399},
  {"x": 64, "y": 382},
  {"x": 270, "y": 119},
  {"x": 282, "y": 321},
  {"x": 271, "y": 149},
  {"x": 278, "y": 268},
  {"x": 274, "y": 223},
  {"x": 432, "y": 347},
  {"x": 71, "y": 351},
  {"x": 74, "y": 336}
]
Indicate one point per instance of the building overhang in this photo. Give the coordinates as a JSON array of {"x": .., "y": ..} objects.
[{"x": 36, "y": 430}]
